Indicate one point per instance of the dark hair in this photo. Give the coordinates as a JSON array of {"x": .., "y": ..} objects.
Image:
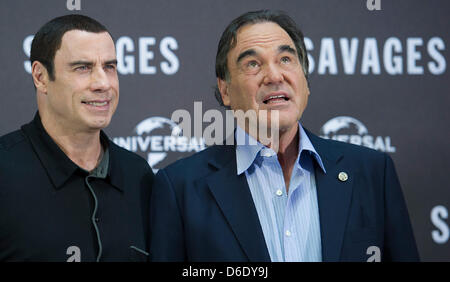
[
  {"x": 228, "y": 40},
  {"x": 48, "y": 39}
]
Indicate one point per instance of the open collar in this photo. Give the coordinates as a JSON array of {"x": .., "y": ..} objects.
[{"x": 58, "y": 166}]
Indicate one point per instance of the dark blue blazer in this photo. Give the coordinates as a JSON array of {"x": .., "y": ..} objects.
[{"x": 201, "y": 210}]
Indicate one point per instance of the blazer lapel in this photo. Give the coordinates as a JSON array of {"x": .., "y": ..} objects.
[
  {"x": 334, "y": 198},
  {"x": 235, "y": 200}
]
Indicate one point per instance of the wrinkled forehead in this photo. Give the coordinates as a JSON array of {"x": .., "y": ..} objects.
[{"x": 262, "y": 34}]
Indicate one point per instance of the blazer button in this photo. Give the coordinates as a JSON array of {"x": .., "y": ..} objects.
[{"x": 343, "y": 176}]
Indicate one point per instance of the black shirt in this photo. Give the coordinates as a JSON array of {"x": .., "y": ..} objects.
[{"x": 52, "y": 210}]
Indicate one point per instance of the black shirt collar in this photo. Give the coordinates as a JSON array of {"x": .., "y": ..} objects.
[{"x": 58, "y": 166}]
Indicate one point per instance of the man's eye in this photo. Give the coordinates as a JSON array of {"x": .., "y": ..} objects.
[
  {"x": 285, "y": 60},
  {"x": 252, "y": 64},
  {"x": 110, "y": 67},
  {"x": 82, "y": 68}
]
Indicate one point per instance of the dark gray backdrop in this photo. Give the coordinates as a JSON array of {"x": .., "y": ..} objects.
[{"x": 407, "y": 111}]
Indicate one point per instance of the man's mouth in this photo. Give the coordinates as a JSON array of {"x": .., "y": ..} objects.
[
  {"x": 96, "y": 103},
  {"x": 275, "y": 99}
]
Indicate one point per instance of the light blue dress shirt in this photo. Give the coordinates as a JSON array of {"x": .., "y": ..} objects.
[{"x": 289, "y": 221}]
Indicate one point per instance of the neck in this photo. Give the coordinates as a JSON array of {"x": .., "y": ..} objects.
[
  {"x": 83, "y": 148},
  {"x": 287, "y": 151},
  {"x": 288, "y": 147}
]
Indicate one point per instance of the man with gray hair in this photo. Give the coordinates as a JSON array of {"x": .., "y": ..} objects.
[{"x": 298, "y": 198}]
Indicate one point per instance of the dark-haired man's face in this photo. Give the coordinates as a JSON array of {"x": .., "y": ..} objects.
[
  {"x": 85, "y": 92},
  {"x": 266, "y": 74}
]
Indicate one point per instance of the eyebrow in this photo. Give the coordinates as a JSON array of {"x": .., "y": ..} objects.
[
  {"x": 77, "y": 63},
  {"x": 246, "y": 53},
  {"x": 88, "y": 63},
  {"x": 287, "y": 48},
  {"x": 111, "y": 62}
]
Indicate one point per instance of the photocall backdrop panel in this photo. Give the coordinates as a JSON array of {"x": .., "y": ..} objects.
[{"x": 378, "y": 72}]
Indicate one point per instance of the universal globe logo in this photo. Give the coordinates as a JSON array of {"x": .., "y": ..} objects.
[
  {"x": 160, "y": 141},
  {"x": 351, "y": 130}
]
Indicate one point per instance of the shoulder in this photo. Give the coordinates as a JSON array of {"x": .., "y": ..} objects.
[
  {"x": 14, "y": 146},
  {"x": 355, "y": 155},
  {"x": 10, "y": 140},
  {"x": 125, "y": 155},
  {"x": 126, "y": 158},
  {"x": 353, "y": 150},
  {"x": 199, "y": 164},
  {"x": 16, "y": 156}
]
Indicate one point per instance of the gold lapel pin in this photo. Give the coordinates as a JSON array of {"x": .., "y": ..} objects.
[{"x": 342, "y": 176}]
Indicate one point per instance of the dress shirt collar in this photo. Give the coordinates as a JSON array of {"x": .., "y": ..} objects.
[{"x": 247, "y": 150}]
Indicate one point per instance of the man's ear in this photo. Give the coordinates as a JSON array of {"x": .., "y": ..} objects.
[
  {"x": 223, "y": 88},
  {"x": 40, "y": 76}
]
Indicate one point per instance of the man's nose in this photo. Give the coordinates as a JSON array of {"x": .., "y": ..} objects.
[
  {"x": 273, "y": 74},
  {"x": 99, "y": 80}
]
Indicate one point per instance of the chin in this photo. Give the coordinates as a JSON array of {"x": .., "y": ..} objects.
[
  {"x": 287, "y": 122},
  {"x": 99, "y": 124}
]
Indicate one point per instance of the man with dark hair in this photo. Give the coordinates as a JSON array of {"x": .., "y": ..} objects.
[
  {"x": 67, "y": 193},
  {"x": 297, "y": 198},
  {"x": 48, "y": 39}
]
